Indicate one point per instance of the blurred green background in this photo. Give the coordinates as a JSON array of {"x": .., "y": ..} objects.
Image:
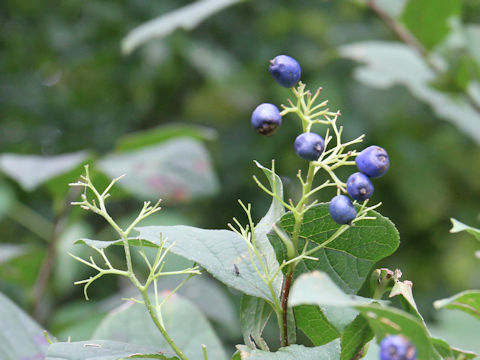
[{"x": 65, "y": 87}]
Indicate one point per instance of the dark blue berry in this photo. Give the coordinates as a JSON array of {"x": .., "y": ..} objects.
[
  {"x": 342, "y": 210},
  {"x": 397, "y": 347},
  {"x": 373, "y": 161},
  {"x": 359, "y": 186},
  {"x": 266, "y": 118},
  {"x": 286, "y": 70},
  {"x": 309, "y": 146}
]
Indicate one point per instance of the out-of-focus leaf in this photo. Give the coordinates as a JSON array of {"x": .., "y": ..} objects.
[
  {"x": 428, "y": 19},
  {"x": 330, "y": 351},
  {"x": 177, "y": 170},
  {"x": 7, "y": 198},
  {"x": 163, "y": 133},
  {"x": 388, "y": 64},
  {"x": 67, "y": 270},
  {"x": 359, "y": 247},
  {"x": 20, "y": 336},
  {"x": 31, "y": 171},
  {"x": 467, "y": 301},
  {"x": 105, "y": 350},
  {"x": 187, "y": 17},
  {"x": 183, "y": 321},
  {"x": 22, "y": 269},
  {"x": 254, "y": 314},
  {"x": 458, "y": 226},
  {"x": 11, "y": 251}
]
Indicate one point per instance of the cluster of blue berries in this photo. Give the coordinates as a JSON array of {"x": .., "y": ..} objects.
[
  {"x": 371, "y": 162},
  {"x": 397, "y": 347},
  {"x": 266, "y": 118}
]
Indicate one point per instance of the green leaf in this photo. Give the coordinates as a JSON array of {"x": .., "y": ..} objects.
[
  {"x": 330, "y": 351},
  {"x": 428, "y": 20},
  {"x": 218, "y": 251},
  {"x": 67, "y": 270},
  {"x": 467, "y": 301},
  {"x": 164, "y": 171},
  {"x": 314, "y": 324},
  {"x": 186, "y": 17},
  {"x": 404, "y": 290},
  {"x": 387, "y": 321},
  {"x": 274, "y": 213},
  {"x": 101, "y": 244},
  {"x": 11, "y": 251},
  {"x": 31, "y": 171},
  {"x": 254, "y": 314},
  {"x": 183, "y": 321},
  {"x": 448, "y": 352},
  {"x": 163, "y": 133},
  {"x": 317, "y": 288},
  {"x": 20, "y": 336},
  {"x": 458, "y": 226},
  {"x": 347, "y": 259},
  {"x": 388, "y": 64},
  {"x": 356, "y": 335},
  {"x": 104, "y": 350}
]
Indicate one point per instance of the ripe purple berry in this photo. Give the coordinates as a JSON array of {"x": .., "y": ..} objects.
[
  {"x": 266, "y": 118},
  {"x": 309, "y": 146},
  {"x": 342, "y": 210},
  {"x": 285, "y": 70},
  {"x": 397, "y": 347},
  {"x": 359, "y": 186},
  {"x": 373, "y": 161}
]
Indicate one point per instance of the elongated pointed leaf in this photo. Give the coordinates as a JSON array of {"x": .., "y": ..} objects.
[
  {"x": 220, "y": 252},
  {"x": 187, "y": 17},
  {"x": 20, "y": 336},
  {"x": 349, "y": 258},
  {"x": 105, "y": 350},
  {"x": 31, "y": 171},
  {"x": 254, "y": 314},
  {"x": 275, "y": 212},
  {"x": 183, "y": 321},
  {"x": 330, "y": 351},
  {"x": 458, "y": 226},
  {"x": 467, "y": 301}
]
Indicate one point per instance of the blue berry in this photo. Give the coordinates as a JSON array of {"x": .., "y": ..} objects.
[
  {"x": 359, "y": 186},
  {"x": 309, "y": 146},
  {"x": 266, "y": 118},
  {"x": 397, "y": 347},
  {"x": 285, "y": 70},
  {"x": 373, "y": 161},
  {"x": 342, "y": 210}
]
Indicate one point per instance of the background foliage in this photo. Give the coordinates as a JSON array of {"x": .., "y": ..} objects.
[{"x": 67, "y": 88}]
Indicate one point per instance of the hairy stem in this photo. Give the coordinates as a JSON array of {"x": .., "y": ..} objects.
[{"x": 285, "y": 293}]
